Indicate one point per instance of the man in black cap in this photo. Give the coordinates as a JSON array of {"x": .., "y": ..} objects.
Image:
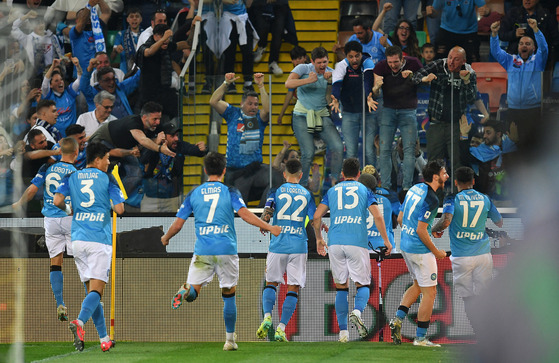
[{"x": 163, "y": 173}]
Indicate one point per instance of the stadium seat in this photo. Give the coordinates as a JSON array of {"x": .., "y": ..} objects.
[
  {"x": 491, "y": 79},
  {"x": 344, "y": 36},
  {"x": 421, "y": 38},
  {"x": 359, "y": 8}
]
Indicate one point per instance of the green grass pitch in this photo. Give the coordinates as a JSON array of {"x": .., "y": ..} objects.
[{"x": 291, "y": 352}]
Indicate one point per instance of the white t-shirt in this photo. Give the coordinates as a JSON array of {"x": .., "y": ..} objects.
[
  {"x": 144, "y": 37},
  {"x": 90, "y": 122}
]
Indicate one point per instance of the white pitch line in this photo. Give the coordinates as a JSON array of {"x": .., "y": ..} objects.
[{"x": 63, "y": 355}]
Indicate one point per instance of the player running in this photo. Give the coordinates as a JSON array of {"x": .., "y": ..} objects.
[
  {"x": 57, "y": 223},
  {"x": 287, "y": 252},
  {"x": 215, "y": 251},
  {"x": 92, "y": 192},
  {"x": 348, "y": 202},
  {"x": 420, "y": 254},
  {"x": 466, "y": 212}
]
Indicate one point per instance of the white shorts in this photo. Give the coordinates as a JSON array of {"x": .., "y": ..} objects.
[
  {"x": 203, "y": 268},
  {"x": 422, "y": 267},
  {"x": 93, "y": 260},
  {"x": 350, "y": 261},
  {"x": 472, "y": 274},
  {"x": 277, "y": 264},
  {"x": 58, "y": 233}
]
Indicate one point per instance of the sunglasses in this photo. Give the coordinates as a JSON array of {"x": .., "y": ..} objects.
[{"x": 404, "y": 28}]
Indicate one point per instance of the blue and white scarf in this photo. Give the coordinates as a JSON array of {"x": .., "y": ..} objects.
[{"x": 97, "y": 31}]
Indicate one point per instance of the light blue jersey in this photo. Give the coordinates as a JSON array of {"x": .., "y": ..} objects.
[
  {"x": 349, "y": 202},
  {"x": 214, "y": 205},
  {"x": 292, "y": 204},
  {"x": 80, "y": 162},
  {"x": 50, "y": 176},
  {"x": 312, "y": 95},
  {"x": 421, "y": 204},
  {"x": 385, "y": 207},
  {"x": 91, "y": 191},
  {"x": 470, "y": 210},
  {"x": 237, "y": 8}
]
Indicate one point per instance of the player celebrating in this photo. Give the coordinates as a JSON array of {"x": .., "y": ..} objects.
[
  {"x": 472, "y": 263},
  {"x": 420, "y": 254},
  {"x": 57, "y": 224},
  {"x": 215, "y": 250},
  {"x": 92, "y": 192},
  {"x": 348, "y": 202},
  {"x": 288, "y": 251},
  {"x": 385, "y": 208}
]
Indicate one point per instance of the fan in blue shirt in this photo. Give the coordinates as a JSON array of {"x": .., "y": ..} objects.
[
  {"x": 215, "y": 251},
  {"x": 57, "y": 223},
  {"x": 350, "y": 203}
]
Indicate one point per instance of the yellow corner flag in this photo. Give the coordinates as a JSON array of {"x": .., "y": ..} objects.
[{"x": 113, "y": 259}]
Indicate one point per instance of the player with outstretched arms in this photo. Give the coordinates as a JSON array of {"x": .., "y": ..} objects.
[
  {"x": 288, "y": 251},
  {"x": 93, "y": 192},
  {"x": 57, "y": 223},
  {"x": 349, "y": 203},
  {"x": 420, "y": 253},
  {"x": 466, "y": 213},
  {"x": 215, "y": 251}
]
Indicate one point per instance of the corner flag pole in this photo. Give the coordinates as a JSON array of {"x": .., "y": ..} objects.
[{"x": 113, "y": 259}]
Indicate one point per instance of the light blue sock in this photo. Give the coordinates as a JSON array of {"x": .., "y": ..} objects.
[
  {"x": 192, "y": 294},
  {"x": 421, "y": 332},
  {"x": 89, "y": 305},
  {"x": 342, "y": 308},
  {"x": 229, "y": 312},
  {"x": 288, "y": 308},
  {"x": 98, "y": 318},
  {"x": 57, "y": 284},
  {"x": 268, "y": 298},
  {"x": 361, "y": 298}
]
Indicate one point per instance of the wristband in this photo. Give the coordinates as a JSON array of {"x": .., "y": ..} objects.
[
  {"x": 463, "y": 137},
  {"x": 68, "y": 209},
  {"x": 225, "y": 83}
]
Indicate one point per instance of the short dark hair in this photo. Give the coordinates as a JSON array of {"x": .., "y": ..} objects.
[
  {"x": 68, "y": 145},
  {"x": 393, "y": 50},
  {"x": 150, "y": 107},
  {"x": 319, "y": 52},
  {"x": 354, "y": 45},
  {"x": 160, "y": 29},
  {"x": 100, "y": 52},
  {"x": 158, "y": 11},
  {"x": 293, "y": 166},
  {"x": 432, "y": 168},
  {"x": 427, "y": 46},
  {"x": 464, "y": 175},
  {"x": 361, "y": 21},
  {"x": 369, "y": 181},
  {"x": 133, "y": 10},
  {"x": 45, "y": 104},
  {"x": 30, "y": 112},
  {"x": 496, "y": 125},
  {"x": 32, "y": 134},
  {"x": 214, "y": 163},
  {"x": 95, "y": 150},
  {"x": 351, "y": 167},
  {"x": 104, "y": 70},
  {"x": 74, "y": 129},
  {"x": 297, "y": 52},
  {"x": 248, "y": 94}
]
